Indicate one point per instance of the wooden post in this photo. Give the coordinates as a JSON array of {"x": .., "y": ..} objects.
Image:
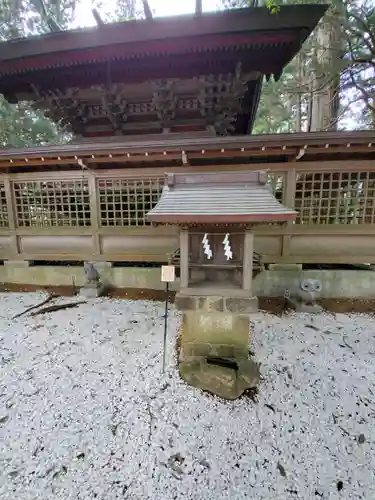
[
  {"x": 94, "y": 213},
  {"x": 9, "y": 194},
  {"x": 289, "y": 202},
  {"x": 247, "y": 272},
  {"x": 290, "y": 188},
  {"x": 184, "y": 258}
]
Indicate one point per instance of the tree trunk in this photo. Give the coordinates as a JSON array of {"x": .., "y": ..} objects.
[{"x": 326, "y": 100}]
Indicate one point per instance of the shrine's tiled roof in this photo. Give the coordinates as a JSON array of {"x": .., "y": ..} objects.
[{"x": 230, "y": 197}]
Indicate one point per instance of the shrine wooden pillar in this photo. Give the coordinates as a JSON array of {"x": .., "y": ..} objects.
[
  {"x": 184, "y": 258},
  {"x": 247, "y": 271}
]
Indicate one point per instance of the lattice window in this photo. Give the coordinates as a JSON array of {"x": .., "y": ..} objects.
[
  {"x": 125, "y": 202},
  {"x": 135, "y": 108},
  {"x": 276, "y": 184},
  {"x": 52, "y": 203},
  {"x": 4, "y": 222},
  {"x": 188, "y": 104},
  {"x": 335, "y": 198}
]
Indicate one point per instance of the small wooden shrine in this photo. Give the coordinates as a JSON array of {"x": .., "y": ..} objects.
[
  {"x": 216, "y": 213},
  {"x": 196, "y": 73}
]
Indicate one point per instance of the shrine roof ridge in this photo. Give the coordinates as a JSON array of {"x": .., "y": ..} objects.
[{"x": 134, "y": 31}]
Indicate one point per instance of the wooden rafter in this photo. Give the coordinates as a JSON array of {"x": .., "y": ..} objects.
[{"x": 155, "y": 125}]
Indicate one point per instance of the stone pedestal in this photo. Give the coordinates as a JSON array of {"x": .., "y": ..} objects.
[
  {"x": 235, "y": 303},
  {"x": 215, "y": 335},
  {"x": 92, "y": 291}
]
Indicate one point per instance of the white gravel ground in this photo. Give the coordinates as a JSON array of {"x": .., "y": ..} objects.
[{"x": 86, "y": 414}]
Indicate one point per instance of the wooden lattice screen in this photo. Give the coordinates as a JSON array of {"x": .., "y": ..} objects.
[
  {"x": 121, "y": 202},
  {"x": 126, "y": 202},
  {"x": 320, "y": 198},
  {"x": 52, "y": 203},
  {"x": 4, "y": 222},
  {"x": 335, "y": 198}
]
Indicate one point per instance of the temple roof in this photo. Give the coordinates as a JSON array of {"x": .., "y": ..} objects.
[
  {"x": 148, "y": 76},
  {"x": 218, "y": 198}
]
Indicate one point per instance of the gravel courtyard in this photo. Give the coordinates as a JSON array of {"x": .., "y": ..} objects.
[{"x": 85, "y": 412}]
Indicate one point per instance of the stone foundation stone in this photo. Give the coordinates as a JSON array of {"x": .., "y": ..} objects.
[
  {"x": 222, "y": 381},
  {"x": 92, "y": 291},
  {"x": 245, "y": 305},
  {"x": 215, "y": 334},
  {"x": 17, "y": 263},
  {"x": 211, "y": 303}
]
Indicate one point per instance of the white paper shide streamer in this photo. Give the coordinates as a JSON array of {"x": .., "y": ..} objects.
[
  {"x": 206, "y": 247},
  {"x": 227, "y": 248}
]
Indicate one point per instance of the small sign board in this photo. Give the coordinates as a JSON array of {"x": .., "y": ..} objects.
[{"x": 168, "y": 274}]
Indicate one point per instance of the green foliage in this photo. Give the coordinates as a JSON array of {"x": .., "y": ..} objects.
[
  {"x": 125, "y": 10},
  {"x": 21, "y": 125},
  {"x": 358, "y": 79},
  {"x": 345, "y": 65},
  {"x": 273, "y": 6}
]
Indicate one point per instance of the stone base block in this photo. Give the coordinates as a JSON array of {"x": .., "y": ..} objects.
[
  {"x": 285, "y": 267},
  {"x": 190, "y": 350},
  {"x": 302, "y": 307},
  {"x": 17, "y": 263},
  {"x": 214, "y": 334},
  {"x": 93, "y": 291},
  {"x": 245, "y": 305},
  {"x": 102, "y": 265},
  {"x": 225, "y": 382},
  {"x": 213, "y": 303}
]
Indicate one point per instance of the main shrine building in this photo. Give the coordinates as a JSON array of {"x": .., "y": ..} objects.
[{"x": 199, "y": 73}]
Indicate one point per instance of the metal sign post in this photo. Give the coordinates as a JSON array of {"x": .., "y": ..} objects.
[{"x": 168, "y": 274}]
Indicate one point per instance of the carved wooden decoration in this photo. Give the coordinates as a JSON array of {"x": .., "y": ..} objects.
[{"x": 123, "y": 109}]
